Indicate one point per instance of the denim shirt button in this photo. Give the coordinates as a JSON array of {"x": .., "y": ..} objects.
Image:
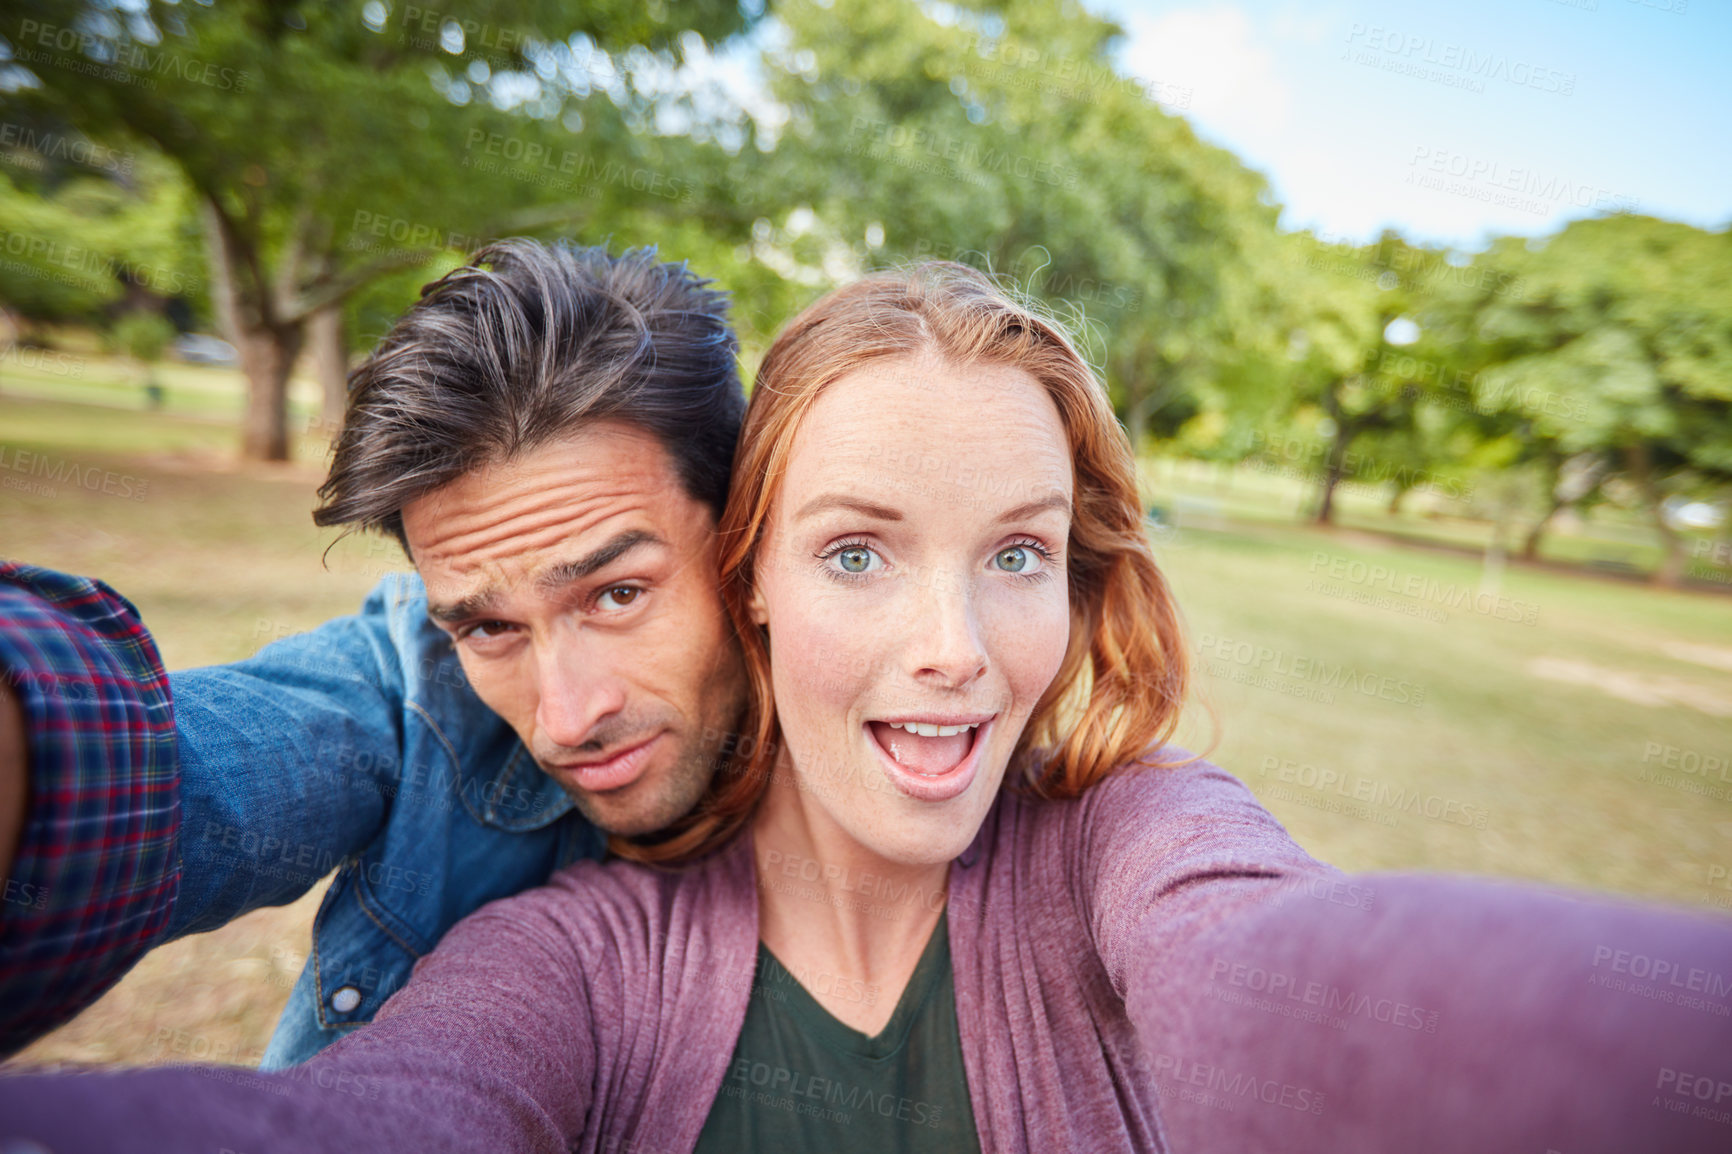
[{"x": 345, "y": 1000}]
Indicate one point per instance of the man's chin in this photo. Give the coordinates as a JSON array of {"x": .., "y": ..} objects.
[{"x": 621, "y": 821}]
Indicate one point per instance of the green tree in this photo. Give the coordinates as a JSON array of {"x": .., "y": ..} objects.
[
  {"x": 328, "y": 144},
  {"x": 1002, "y": 135},
  {"x": 78, "y": 239},
  {"x": 1620, "y": 347}
]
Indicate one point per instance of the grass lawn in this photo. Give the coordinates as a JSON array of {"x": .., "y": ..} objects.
[{"x": 1383, "y": 708}]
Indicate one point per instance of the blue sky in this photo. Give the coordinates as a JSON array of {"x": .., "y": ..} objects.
[{"x": 1453, "y": 121}]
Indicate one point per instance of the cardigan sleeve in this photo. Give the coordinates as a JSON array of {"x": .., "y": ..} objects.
[
  {"x": 489, "y": 1046},
  {"x": 1294, "y": 1009}
]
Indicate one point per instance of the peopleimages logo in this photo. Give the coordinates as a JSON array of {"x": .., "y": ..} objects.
[
  {"x": 1446, "y": 594},
  {"x": 1521, "y": 179},
  {"x": 120, "y": 61},
  {"x": 801, "y": 1092},
  {"x": 58, "y": 146},
  {"x": 964, "y": 158},
  {"x": 1431, "y": 59},
  {"x": 1703, "y": 1096},
  {"x": 1661, "y": 980},
  {"x": 1316, "y": 671},
  {"x": 1358, "y": 788},
  {"x": 1277, "y": 988},
  {"x": 1663, "y": 971},
  {"x": 1219, "y": 1086},
  {"x": 92, "y": 478}
]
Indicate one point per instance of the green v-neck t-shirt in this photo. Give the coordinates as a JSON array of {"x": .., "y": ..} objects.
[{"x": 800, "y": 1080}]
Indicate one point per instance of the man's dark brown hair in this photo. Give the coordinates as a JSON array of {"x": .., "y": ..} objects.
[{"x": 522, "y": 345}]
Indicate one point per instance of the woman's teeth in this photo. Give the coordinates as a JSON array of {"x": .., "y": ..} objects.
[
  {"x": 921, "y": 729},
  {"x": 923, "y": 748}
]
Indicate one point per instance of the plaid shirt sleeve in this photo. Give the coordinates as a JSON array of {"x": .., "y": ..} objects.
[{"x": 97, "y": 867}]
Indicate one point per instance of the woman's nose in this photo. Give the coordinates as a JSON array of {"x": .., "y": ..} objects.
[{"x": 946, "y": 649}]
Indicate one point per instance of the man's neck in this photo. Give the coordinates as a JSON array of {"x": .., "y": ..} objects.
[{"x": 848, "y": 923}]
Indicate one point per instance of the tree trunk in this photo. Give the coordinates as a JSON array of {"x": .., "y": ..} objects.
[
  {"x": 267, "y": 358},
  {"x": 267, "y": 347},
  {"x": 1670, "y": 574},
  {"x": 1334, "y": 468},
  {"x": 1551, "y": 470},
  {"x": 1531, "y": 543},
  {"x": 331, "y": 364},
  {"x": 1394, "y": 509}
]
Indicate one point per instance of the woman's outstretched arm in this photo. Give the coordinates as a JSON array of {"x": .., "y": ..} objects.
[
  {"x": 1289, "y": 1009},
  {"x": 489, "y": 1047}
]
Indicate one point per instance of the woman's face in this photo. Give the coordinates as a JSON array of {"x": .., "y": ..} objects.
[{"x": 913, "y": 581}]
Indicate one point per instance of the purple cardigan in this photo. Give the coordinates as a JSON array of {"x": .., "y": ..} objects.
[{"x": 1154, "y": 967}]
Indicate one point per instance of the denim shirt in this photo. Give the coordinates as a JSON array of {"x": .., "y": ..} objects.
[{"x": 358, "y": 747}]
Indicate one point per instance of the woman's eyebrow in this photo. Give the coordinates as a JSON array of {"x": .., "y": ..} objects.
[
  {"x": 851, "y": 504},
  {"x": 1057, "y": 501}
]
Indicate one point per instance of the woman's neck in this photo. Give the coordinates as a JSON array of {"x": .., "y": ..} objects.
[{"x": 849, "y": 924}]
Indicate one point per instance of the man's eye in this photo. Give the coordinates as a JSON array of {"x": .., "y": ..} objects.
[
  {"x": 618, "y": 597},
  {"x": 484, "y": 630}
]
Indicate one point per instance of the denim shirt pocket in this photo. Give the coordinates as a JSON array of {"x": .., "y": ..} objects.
[{"x": 360, "y": 958}]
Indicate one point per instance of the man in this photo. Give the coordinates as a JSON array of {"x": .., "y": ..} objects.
[{"x": 549, "y": 433}]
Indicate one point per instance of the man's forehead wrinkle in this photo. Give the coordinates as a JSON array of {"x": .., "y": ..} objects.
[{"x": 553, "y": 512}]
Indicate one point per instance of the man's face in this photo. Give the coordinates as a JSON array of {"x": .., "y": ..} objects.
[{"x": 579, "y": 583}]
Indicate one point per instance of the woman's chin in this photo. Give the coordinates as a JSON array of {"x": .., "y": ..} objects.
[
  {"x": 914, "y": 848},
  {"x": 911, "y": 832}
]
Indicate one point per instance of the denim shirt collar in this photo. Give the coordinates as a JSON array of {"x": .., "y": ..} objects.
[{"x": 519, "y": 778}]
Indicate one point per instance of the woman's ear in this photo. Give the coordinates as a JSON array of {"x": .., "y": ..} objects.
[{"x": 755, "y": 607}]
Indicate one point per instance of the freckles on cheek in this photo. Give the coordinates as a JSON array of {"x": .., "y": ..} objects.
[
  {"x": 1037, "y": 652},
  {"x": 803, "y": 663},
  {"x": 816, "y": 663}
]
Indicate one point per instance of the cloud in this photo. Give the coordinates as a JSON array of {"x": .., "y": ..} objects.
[{"x": 1236, "y": 90}]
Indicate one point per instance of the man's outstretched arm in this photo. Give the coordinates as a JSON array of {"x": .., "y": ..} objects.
[
  {"x": 151, "y": 802},
  {"x": 92, "y": 876}
]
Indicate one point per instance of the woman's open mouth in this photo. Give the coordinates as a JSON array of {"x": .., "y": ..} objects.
[{"x": 930, "y": 758}]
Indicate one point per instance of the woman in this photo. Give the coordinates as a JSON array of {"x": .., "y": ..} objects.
[{"x": 947, "y": 899}]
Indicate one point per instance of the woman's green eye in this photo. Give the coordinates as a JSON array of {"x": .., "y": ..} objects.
[
  {"x": 855, "y": 560},
  {"x": 1015, "y": 559}
]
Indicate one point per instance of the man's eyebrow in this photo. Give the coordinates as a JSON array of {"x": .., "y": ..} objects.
[
  {"x": 556, "y": 577},
  {"x": 852, "y": 504},
  {"x": 482, "y": 601},
  {"x": 1056, "y": 501},
  {"x": 465, "y": 608}
]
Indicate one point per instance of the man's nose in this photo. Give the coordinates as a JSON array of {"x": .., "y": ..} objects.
[{"x": 577, "y": 691}]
